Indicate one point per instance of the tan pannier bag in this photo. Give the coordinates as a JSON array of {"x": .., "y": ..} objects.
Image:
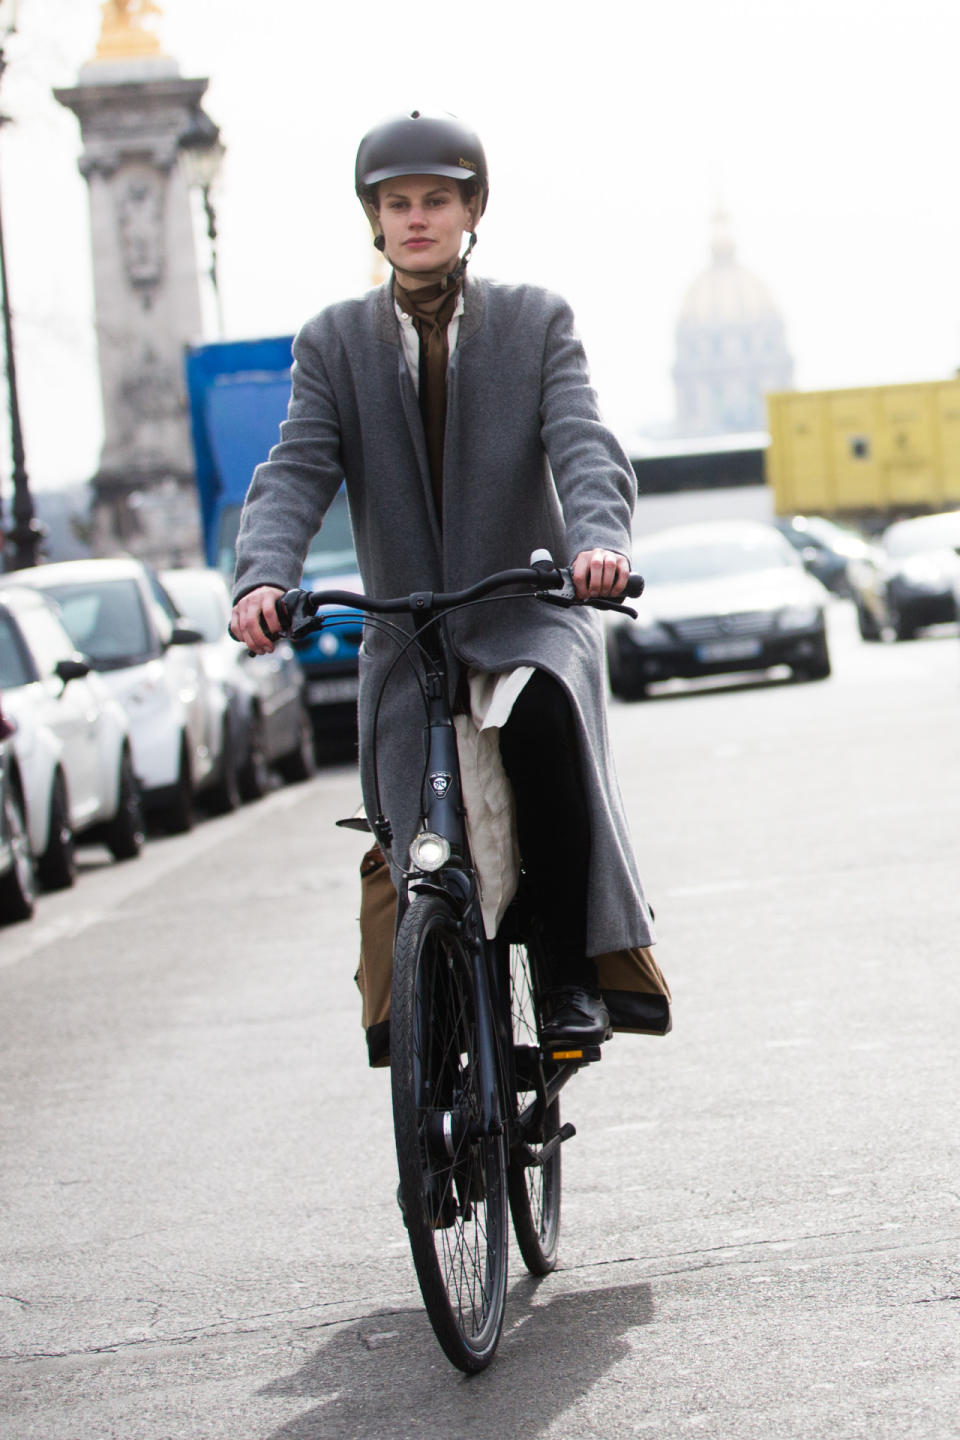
[
  {"x": 635, "y": 991},
  {"x": 378, "y": 917}
]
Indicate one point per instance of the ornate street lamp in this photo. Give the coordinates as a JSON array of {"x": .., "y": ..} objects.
[
  {"x": 201, "y": 155},
  {"x": 26, "y": 533}
]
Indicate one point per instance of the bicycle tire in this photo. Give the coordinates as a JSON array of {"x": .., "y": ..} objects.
[
  {"x": 534, "y": 1190},
  {"x": 454, "y": 1200}
]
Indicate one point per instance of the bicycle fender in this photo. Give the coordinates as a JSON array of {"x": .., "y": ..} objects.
[{"x": 430, "y": 887}]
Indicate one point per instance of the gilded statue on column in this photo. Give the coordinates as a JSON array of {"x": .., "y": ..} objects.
[{"x": 122, "y": 32}]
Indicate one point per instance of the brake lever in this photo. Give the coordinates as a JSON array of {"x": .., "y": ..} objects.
[
  {"x": 603, "y": 603},
  {"x": 567, "y": 597},
  {"x": 295, "y": 615}
]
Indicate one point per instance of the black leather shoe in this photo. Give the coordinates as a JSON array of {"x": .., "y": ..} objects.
[{"x": 570, "y": 1015}]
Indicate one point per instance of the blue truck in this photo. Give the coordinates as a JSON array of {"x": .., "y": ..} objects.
[{"x": 238, "y": 392}]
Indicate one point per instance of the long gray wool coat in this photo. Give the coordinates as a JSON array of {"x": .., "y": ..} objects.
[{"x": 527, "y": 464}]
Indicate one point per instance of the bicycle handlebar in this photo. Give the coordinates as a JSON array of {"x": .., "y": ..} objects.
[{"x": 297, "y": 609}]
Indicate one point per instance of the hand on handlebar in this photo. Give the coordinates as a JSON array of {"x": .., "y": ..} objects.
[
  {"x": 600, "y": 573},
  {"x": 255, "y": 622},
  {"x": 605, "y": 581}
]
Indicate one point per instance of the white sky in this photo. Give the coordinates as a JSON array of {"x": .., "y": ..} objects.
[{"x": 828, "y": 128}]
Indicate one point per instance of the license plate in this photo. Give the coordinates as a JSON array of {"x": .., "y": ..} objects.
[
  {"x": 330, "y": 692},
  {"x": 742, "y": 649}
]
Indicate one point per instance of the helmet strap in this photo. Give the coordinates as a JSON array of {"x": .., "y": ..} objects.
[{"x": 454, "y": 275}]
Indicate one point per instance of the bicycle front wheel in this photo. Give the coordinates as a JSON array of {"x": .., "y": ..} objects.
[
  {"x": 534, "y": 1189},
  {"x": 453, "y": 1182}
]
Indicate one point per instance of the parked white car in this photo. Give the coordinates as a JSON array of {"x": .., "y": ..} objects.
[
  {"x": 18, "y": 886},
  {"x": 269, "y": 723},
  {"x": 71, "y": 757},
  {"x": 123, "y": 621}
]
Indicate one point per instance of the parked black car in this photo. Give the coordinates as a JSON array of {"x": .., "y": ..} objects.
[
  {"x": 915, "y": 580},
  {"x": 720, "y": 597},
  {"x": 826, "y": 549}
]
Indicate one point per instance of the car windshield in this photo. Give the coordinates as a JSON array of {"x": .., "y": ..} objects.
[
  {"x": 826, "y": 533},
  {"x": 677, "y": 564},
  {"x": 200, "y": 606},
  {"x": 331, "y": 553},
  {"x": 929, "y": 532},
  {"x": 14, "y": 670},
  {"x": 105, "y": 620}
]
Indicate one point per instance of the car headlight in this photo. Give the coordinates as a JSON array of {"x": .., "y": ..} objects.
[{"x": 798, "y": 617}]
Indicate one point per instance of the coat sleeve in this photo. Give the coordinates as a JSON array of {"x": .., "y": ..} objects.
[
  {"x": 292, "y": 490},
  {"x": 594, "y": 478}
]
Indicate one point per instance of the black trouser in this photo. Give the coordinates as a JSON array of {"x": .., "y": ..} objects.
[{"x": 542, "y": 759}]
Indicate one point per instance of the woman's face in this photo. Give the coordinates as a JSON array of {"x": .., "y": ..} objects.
[{"x": 423, "y": 218}]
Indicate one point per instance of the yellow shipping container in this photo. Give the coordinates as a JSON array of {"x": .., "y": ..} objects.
[{"x": 883, "y": 449}]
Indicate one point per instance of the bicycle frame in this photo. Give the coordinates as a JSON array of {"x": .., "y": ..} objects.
[
  {"x": 473, "y": 1091},
  {"x": 443, "y": 815}
]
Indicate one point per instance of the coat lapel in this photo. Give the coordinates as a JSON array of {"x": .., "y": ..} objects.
[{"x": 473, "y": 310}]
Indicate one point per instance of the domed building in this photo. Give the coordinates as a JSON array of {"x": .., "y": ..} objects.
[{"x": 731, "y": 347}]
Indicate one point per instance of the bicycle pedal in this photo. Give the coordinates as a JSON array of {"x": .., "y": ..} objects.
[{"x": 530, "y": 1157}]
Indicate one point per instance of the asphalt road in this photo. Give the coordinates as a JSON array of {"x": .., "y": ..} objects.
[{"x": 198, "y": 1233}]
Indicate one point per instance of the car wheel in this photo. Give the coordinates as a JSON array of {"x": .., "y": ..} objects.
[
  {"x": 301, "y": 762},
  {"x": 226, "y": 796},
  {"x": 57, "y": 866},
  {"x": 125, "y": 833},
  {"x": 623, "y": 683},
  {"x": 178, "y": 814},
  {"x": 625, "y": 689},
  {"x": 254, "y": 778},
  {"x": 18, "y": 888},
  {"x": 635, "y": 691},
  {"x": 816, "y": 666}
]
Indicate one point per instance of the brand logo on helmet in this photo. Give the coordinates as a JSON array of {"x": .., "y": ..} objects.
[
  {"x": 440, "y": 784},
  {"x": 467, "y": 164}
]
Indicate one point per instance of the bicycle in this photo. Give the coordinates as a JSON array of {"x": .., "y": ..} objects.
[{"x": 475, "y": 1095}]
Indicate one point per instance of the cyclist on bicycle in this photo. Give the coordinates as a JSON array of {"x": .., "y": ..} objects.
[{"x": 460, "y": 415}]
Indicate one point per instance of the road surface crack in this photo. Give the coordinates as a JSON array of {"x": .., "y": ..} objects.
[{"x": 232, "y": 1326}]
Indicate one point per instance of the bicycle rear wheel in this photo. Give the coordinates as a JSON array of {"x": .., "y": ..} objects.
[
  {"x": 453, "y": 1182},
  {"x": 534, "y": 1190}
]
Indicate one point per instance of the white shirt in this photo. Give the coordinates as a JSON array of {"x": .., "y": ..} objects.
[{"x": 410, "y": 340}]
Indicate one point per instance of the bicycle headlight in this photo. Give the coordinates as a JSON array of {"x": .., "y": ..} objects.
[{"x": 429, "y": 852}]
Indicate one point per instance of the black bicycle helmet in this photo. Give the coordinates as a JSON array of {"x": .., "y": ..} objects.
[{"x": 418, "y": 144}]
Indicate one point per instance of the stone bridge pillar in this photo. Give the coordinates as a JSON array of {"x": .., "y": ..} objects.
[{"x": 133, "y": 109}]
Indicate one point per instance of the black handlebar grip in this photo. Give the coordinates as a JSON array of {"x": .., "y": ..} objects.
[{"x": 634, "y": 588}]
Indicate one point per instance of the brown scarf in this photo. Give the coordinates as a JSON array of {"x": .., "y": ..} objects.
[{"x": 431, "y": 310}]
